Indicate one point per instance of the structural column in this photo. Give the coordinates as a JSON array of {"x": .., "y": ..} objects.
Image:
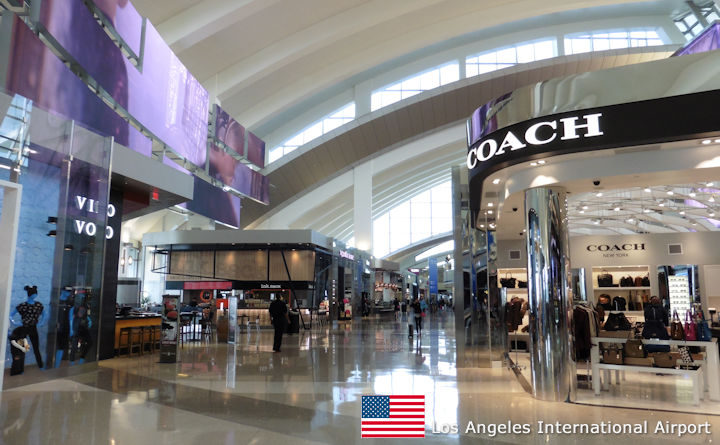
[
  {"x": 550, "y": 307},
  {"x": 362, "y": 206}
]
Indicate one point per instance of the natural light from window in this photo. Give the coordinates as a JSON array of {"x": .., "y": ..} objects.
[
  {"x": 505, "y": 57},
  {"x": 604, "y": 40},
  {"x": 427, "y": 80},
  {"x": 423, "y": 216}
]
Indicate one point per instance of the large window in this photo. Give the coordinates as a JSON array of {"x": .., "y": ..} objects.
[
  {"x": 604, "y": 40},
  {"x": 314, "y": 131},
  {"x": 688, "y": 23},
  {"x": 427, "y": 80},
  {"x": 425, "y": 215},
  {"x": 510, "y": 56}
]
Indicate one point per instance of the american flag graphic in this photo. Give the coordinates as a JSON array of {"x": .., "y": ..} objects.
[{"x": 393, "y": 416}]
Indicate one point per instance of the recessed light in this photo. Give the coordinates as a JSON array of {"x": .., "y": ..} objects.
[
  {"x": 585, "y": 207},
  {"x": 662, "y": 204},
  {"x": 670, "y": 192},
  {"x": 630, "y": 220},
  {"x": 647, "y": 189},
  {"x": 706, "y": 141},
  {"x": 710, "y": 184},
  {"x": 717, "y": 141},
  {"x": 694, "y": 223},
  {"x": 490, "y": 212},
  {"x": 693, "y": 194},
  {"x": 647, "y": 211},
  {"x": 496, "y": 181},
  {"x": 712, "y": 198},
  {"x": 682, "y": 212},
  {"x": 490, "y": 204},
  {"x": 541, "y": 162},
  {"x": 598, "y": 194},
  {"x": 582, "y": 211},
  {"x": 617, "y": 209},
  {"x": 596, "y": 222},
  {"x": 524, "y": 230},
  {"x": 533, "y": 164},
  {"x": 482, "y": 226},
  {"x": 712, "y": 213}
]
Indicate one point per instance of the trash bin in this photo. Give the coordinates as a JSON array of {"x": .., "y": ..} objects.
[{"x": 294, "y": 326}]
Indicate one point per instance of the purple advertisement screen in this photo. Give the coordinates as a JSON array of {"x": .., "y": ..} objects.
[
  {"x": 36, "y": 73},
  {"x": 126, "y": 20},
  {"x": 164, "y": 97},
  {"x": 214, "y": 203},
  {"x": 238, "y": 175},
  {"x": 229, "y": 131},
  {"x": 256, "y": 150},
  {"x": 708, "y": 40}
]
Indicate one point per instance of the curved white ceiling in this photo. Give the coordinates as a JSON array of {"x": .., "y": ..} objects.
[{"x": 260, "y": 57}]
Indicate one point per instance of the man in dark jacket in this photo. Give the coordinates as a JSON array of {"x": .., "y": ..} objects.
[{"x": 280, "y": 320}]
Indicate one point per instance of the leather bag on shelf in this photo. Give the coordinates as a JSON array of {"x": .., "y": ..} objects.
[
  {"x": 685, "y": 355},
  {"x": 690, "y": 327},
  {"x": 676, "y": 328},
  {"x": 613, "y": 356},
  {"x": 655, "y": 329},
  {"x": 665, "y": 359},
  {"x": 638, "y": 282},
  {"x": 635, "y": 348},
  {"x": 703, "y": 330},
  {"x": 638, "y": 361},
  {"x": 522, "y": 284},
  {"x": 617, "y": 321},
  {"x": 605, "y": 279},
  {"x": 646, "y": 281},
  {"x": 508, "y": 281}
]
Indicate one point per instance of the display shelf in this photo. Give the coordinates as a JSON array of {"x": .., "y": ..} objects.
[
  {"x": 620, "y": 288},
  {"x": 519, "y": 273}
]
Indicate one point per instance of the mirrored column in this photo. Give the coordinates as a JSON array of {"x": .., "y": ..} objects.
[{"x": 550, "y": 306}]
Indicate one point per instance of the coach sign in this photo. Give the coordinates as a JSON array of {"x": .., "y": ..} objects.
[{"x": 493, "y": 147}]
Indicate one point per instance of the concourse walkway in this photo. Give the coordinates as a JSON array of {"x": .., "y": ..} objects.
[{"x": 310, "y": 393}]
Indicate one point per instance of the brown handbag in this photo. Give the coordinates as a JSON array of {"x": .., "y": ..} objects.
[
  {"x": 613, "y": 356},
  {"x": 638, "y": 282},
  {"x": 676, "y": 328},
  {"x": 635, "y": 348},
  {"x": 665, "y": 359}
]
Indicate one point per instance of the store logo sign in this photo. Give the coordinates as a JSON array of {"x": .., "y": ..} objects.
[
  {"x": 614, "y": 247},
  {"x": 270, "y": 286},
  {"x": 88, "y": 227},
  {"x": 538, "y": 134},
  {"x": 347, "y": 255}
]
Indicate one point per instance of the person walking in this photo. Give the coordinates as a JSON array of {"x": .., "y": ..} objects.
[
  {"x": 280, "y": 319},
  {"x": 396, "y": 307},
  {"x": 418, "y": 313}
]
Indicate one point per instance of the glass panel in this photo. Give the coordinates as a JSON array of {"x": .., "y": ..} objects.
[
  {"x": 600, "y": 44},
  {"x": 507, "y": 56},
  {"x": 449, "y": 73},
  {"x": 525, "y": 53},
  {"x": 430, "y": 80},
  {"x": 545, "y": 50}
]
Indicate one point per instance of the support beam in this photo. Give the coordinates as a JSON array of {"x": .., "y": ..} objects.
[{"x": 362, "y": 209}]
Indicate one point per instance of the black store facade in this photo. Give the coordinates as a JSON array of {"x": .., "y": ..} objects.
[{"x": 533, "y": 154}]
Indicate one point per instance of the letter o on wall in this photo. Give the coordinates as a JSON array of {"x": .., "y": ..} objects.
[
  {"x": 603, "y": 248},
  {"x": 492, "y": 149}
]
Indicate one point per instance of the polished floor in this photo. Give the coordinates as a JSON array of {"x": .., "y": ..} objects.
[{"x": 308, "y": 394}]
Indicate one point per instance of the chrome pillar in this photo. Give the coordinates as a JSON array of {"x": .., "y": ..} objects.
[{"x": 550, "y": 308}]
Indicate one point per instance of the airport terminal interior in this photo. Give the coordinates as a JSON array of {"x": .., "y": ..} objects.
[{"x": 359, "y": 221}]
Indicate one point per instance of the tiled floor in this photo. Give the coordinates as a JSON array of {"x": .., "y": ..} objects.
[{"x": 308, "y": 394}]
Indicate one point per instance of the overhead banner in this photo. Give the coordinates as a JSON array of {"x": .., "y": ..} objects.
[{"x": 432, "y": 276}]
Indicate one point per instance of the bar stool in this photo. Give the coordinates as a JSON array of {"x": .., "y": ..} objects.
[
  {"x": 155, "y": 336},
  {"x": 124, "y": 340},
  {"x": 132, "y": 336}
]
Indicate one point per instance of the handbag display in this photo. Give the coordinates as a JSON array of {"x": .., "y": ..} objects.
[
  {"x": 522, "y": 284},
  {"x": 617, "y": 322},
  {"x": 605, "y": 279},
  {"x": 690, "y": 328},
  {"x": 635, "y": 348},
  {"x": 613, "y": 356},
  {"x": 676, "y": 328},
  {"x": 507, "y": 281},
  {"x": 703, "y": 330},
  {"x": 685, "y": 355},
  {"x": 654, "y": 329},
  {"x": 665, "y": 359},
  {"x": 626, "y": 281},
  {"x": 646, "y": 281},
  {"x": 638, "y": 282},
  {"x": 619, "y": 304}
]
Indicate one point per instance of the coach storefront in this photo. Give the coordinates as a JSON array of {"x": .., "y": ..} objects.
[{"x": 600, "y": 154}]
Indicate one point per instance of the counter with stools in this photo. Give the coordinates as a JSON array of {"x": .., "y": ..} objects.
[{"x": 137, "y": 334}]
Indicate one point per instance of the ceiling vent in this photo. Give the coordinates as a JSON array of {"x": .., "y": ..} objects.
[
  {"x": 675, "y": 249},
  {"x": 514, "y": 254}
]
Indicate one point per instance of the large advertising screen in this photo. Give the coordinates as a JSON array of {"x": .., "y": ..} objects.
[
  {"x": 125, "y": 19},
  {"x": 35, "y": 72},
  {"x": 161, "y": 95},
  {"x": 256, "y": 150},
  {"x": 214, "y": 203}
]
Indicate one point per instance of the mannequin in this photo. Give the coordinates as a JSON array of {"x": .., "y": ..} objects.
[
  {"x": 80, "y": 324},
  {"x": 67, "y": 301},
  {"x": 33, "y": 315}
]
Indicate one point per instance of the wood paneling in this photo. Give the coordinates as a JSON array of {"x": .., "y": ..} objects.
[
  {"x": 242, "y": 265},
  {"x": 301, "y": 264},
  {"x": 196, "y": 263}
]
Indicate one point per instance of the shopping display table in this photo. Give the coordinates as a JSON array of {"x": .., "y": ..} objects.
[{"x": 708, "y": 373}]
